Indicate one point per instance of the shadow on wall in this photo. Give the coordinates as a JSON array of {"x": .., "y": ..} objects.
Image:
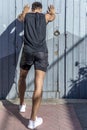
[
  {"x": 79, "y": 86},
  {"x": 10, "y": 45}
]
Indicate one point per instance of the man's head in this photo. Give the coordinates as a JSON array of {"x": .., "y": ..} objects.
[{"x": 37, "y": 7}]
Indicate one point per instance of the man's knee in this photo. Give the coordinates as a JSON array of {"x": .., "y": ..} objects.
[
  {"x": 38, "y": 94},
  {"x": 38, "y": 91}
]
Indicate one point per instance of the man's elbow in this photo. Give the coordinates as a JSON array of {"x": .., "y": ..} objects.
[{"x": 52, "y": 18}]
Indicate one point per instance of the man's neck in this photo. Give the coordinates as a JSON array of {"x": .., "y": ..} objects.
[{"x": 36, "y": 11}]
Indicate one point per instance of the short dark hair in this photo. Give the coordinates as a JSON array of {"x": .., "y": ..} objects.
[{"x": 36, "y": 5}]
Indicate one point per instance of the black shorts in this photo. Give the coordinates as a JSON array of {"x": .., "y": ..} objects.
[{"x": 38, "y": 59}]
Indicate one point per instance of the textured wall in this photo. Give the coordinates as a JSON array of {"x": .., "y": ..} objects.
[{"x": 11, "y": 32}]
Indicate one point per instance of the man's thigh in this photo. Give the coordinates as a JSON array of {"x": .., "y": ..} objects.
[{"x": 41, "y": 61}]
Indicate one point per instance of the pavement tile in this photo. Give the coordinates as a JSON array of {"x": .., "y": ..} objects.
[{"x": 56, "y": 117}]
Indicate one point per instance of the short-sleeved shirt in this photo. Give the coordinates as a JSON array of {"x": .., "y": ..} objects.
[{"x": 35, "y": 33}]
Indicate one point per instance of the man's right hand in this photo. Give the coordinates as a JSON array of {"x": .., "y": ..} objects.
[
  {"x": 51, "y": 9},
  {"x": 50, "y": 16}
]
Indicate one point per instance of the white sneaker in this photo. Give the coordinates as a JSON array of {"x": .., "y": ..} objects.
[
  {"x": 22, "y": 108},
  {"x": 33, "y": 124}
]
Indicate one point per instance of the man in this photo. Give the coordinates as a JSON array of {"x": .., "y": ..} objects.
[{"x": 34, "y": 52}]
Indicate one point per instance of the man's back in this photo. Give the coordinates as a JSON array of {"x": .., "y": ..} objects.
[{"x": 35, "y": 32}]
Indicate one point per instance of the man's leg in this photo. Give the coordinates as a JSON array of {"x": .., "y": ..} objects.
[
  {"x": 22, "y": 85},
  {"x": 37, "y": 95}
]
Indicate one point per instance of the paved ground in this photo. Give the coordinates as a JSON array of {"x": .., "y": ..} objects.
[{"x": 57, "y": 115}]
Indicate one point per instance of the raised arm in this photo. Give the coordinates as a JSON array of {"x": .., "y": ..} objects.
[
  {"x": 26, "y": 10},
  {"x": 50, "y": 15}
]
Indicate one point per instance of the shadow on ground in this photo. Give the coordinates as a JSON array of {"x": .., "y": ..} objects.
[{"x": 14, "y": 110}]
